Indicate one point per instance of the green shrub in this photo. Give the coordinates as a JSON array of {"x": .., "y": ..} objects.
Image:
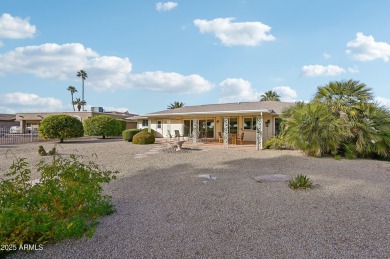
[
  {"x": 42, "y": 151},
  {"x": 128, "y": 134},
  {"x": 102, "y": 125},
  {"x": 300, "y": 182},
  {"x": 151, "y": 130},
  {"x": 61, "y": 127},
  {"x": 64, "y": 204},
  {"x": 276, "y": 142},
  {"x": 123, "y": 124},
  {"x": 144, "y": 138}
]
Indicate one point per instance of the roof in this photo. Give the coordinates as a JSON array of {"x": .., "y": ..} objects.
[
  {"x": 7, "y": 117},
  {"x": 224, "y": 108}
]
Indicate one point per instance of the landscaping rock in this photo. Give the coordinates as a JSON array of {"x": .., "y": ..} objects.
[{"x": 272, "y": 178}]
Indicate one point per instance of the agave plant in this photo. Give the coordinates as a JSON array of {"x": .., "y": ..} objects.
[{"x": 300, "y": 182}]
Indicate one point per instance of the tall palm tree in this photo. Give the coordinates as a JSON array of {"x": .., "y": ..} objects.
[
  {"x": 79, "y": 103},
  {"x": 83, "y": 76},
  {"x": 175, "y": 105},
  {"x": 270, "y": 96},
  {"x": 72, "y": 90}
]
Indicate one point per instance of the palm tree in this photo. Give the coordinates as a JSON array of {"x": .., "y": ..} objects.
[
  {"x": 79, "y": 103},
  {"x": 343, "y": 96},
  {"x": 72, "y": 90},
  {"x": 175, "y": 105},
  {"x": 270, "y": 96},
  {"x": 83, "y": 76}
]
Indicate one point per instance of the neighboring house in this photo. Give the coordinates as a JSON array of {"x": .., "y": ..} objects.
[
  {"x": 33, "y": 119},
  {"x": 208, "y": 120},
  {"x": 8, "y": 120}
]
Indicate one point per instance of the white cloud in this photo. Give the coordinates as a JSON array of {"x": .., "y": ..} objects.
[
  {"x": 365, "y": 48},
  {"x": 15, "y": 27},
  {"x": 353, "y": 70},
  {"x": 159, "y": 81},
  {"x": 286, "y": 93},
  {"x": 28, "y": 102},
  {"x": 104, "y": 72},
  {"x": 164, "y": 7},
  {"x": 237, "y": 90},
  {"x": 326, "y": 55},
  {"x": 383, "y": 101},
  {"x": 236, "y": 33},
  {"x": 319, "y": 70}
]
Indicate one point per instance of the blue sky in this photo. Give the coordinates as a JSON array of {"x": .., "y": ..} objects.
[{"x": 141, "y": 55}]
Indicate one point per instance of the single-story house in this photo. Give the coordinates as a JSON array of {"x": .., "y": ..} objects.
[
  {"x": 257, "y": 120},
  {"x": 8, "y": 120},
  {"x": 34, "y": 119}
]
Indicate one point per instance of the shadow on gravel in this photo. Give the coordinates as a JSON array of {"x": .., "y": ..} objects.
[{"x": 173, "y": 213}]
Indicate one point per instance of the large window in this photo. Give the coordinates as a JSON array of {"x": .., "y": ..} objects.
[
  {"x": 233, "y": 125},
  {"x": 145, "y": 123},
  {"x": 250, "y": 123},
  {"x": 206, "y": 128}
]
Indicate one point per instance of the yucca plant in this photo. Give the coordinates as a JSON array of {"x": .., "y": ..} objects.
[{"x": 300, "y": 182}]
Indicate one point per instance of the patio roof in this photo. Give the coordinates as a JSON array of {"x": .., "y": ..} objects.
[
  {"x": 7, "y": 117},
  {"x": 226, "y": 108}
]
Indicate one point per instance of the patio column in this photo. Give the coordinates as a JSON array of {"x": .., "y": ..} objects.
[
  {"x": 194, "y": 131},
  {"x": 259, "y": 132},
  {"x": 149, "y": 125},
  {"x": 225, "y": 132},
  {"x": 168, "y": 128}
]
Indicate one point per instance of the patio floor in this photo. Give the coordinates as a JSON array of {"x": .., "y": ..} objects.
[{"x": 247, "y": 145}]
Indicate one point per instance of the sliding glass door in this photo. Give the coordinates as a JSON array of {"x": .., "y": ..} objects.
[{"x": 205, "y": 129}]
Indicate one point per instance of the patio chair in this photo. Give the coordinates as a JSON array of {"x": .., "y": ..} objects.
[
  {"x": 177, "y": 135},
  {"x": 220, "y": 138},
  {"x": 240, "y": 138},
  {"x": 169, "y": 137}
]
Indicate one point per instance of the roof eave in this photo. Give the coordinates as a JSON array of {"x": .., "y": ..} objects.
[{"x": 204, "y": 113}]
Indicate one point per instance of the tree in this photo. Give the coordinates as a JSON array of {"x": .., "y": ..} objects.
[
  {"x": 83, "y": 76},
  {"x": 72, "y": 90},
  {"x": 79, "y": 103},
  {"x": 175, "y": 105},
  {"x": 270, "y": 96},
  {"x": 102, "y": 125},
  {"x": 61, "y": 127}
]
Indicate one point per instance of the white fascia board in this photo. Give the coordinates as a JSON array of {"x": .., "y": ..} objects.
[{"x": 208, "y": 113}]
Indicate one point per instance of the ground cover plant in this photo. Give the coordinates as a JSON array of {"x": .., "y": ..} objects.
[
  {"x": 60, "y": 127},
  {"x": 300, "y": 182},
  {"x": 64, "y": 204}
]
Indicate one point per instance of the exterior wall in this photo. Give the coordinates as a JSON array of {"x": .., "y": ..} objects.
[{"x": 178, "y": 124}]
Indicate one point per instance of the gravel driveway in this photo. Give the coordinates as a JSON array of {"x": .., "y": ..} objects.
[{"x": 165, "y": 210}]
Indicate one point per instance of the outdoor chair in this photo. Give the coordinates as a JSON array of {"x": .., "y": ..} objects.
[
  {"x": 177, "y": 135},
  {"x": 240, "y": 138},
  {"x": 220, "y": 138},
  {"x": 169, "y": 137}
]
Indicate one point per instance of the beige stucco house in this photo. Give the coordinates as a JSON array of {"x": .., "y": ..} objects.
[{"x": 257, "y": 120}]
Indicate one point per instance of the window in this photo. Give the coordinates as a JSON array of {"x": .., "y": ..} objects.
[
  {"x": 277, "y": 126},
  {"x": 145, "y": 123},
  {"x": 159, "y": 124},
  {"x": 250, "y": 123},
  {"x": 233, "y": 125}
]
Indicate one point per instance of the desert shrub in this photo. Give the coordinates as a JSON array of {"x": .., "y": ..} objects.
[
  {"x": 64, "y": 204},
  {"x": 276, "y": 142},
  {"x": 300, "y": 182},
  {"x": 42, "y": 151},
  {"x": 128, "y": 134},
  {"x": 61, "y": 127},
  {"x": 144, "y": 138},
  {"x": 151, "y": 131},
  {"x": 102, "y": 125}
]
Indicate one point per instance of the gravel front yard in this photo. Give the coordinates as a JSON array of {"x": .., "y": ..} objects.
[{"x": 165, "y": 210}]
